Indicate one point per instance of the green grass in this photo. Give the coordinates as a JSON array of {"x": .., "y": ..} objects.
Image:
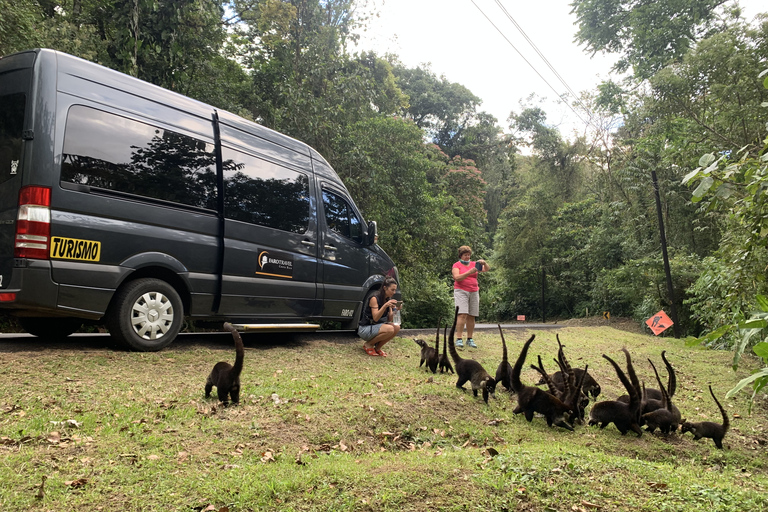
[{"x": 322, "y": 426}]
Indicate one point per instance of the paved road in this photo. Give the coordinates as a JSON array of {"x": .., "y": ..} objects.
[{"x": 12, "y": 342}]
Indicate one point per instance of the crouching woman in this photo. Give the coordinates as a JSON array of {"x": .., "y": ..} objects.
[{"x": 376, "y": 326}]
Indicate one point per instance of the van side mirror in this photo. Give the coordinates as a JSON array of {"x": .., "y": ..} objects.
[{"x": 373, "y": 233}]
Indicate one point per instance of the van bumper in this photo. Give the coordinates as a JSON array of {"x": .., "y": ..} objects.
[{"x": 38, "y": 295}]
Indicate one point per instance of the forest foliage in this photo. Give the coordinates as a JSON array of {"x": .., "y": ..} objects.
[{"x": 567, "y": 220}]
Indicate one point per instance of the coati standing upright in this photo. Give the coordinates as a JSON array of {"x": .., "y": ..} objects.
[
  {"x": 626, "y": 416},
  {"x": 444, "y": 362},
  {"x": 430, "y": 355},
  {"x": 709, "y": 429},
  {"x": 531, "y": 399},
  {"x": 504, "y": 371},
  {"x": 226, "y": 377},
  {"x": 664, "y": 417},
  {"x": 469, "y": 369}
]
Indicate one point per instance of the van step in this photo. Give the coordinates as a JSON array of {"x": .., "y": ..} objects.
[{"x": 277, "y": 327}]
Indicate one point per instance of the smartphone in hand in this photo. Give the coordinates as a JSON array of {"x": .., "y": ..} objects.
[{"x": 479, "y": 266}]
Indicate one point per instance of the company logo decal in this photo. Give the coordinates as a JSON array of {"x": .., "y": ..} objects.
[
  {"x": 275, "y": 264},
  {"x": 74, "y": 249}
]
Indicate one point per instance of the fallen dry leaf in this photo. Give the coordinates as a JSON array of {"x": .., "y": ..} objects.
[{"x": 76, "y": 484}]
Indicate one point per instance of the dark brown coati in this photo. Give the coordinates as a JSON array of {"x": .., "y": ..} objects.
[
  {"x": 504, "y": 371},
  {"x": 225, "y": 376},
  {"x": 572, "y": 385},
  {"x": 709, "y": 429},
  {"x": 444, "y": 362},
  {"x": 531, "y": 399},
  {"x": 576, "y": 399},
  {"x": 626, "y": 416},
  {"x": 470, "y": 370},
  {"x": 651, "y": 396},
  {"x": 591, "y": 387},
  {"x": 571, "y": 393},
  {"x": 430, "y": 355},
  {"x": 664, "y": 417},
  {"x": 547, "y": 379}
]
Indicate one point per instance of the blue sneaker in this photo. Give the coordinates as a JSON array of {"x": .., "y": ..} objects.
[
  {"x": 459, "y": 343},
  {"x": 471, "y": 343}
]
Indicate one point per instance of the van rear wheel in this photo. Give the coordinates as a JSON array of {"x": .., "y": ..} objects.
[
  {"x": 146, "y": 314},
  {"x": 50, "y": 328}
]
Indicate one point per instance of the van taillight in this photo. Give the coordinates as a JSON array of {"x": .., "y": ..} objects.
[{"x": 33, "y": 223}]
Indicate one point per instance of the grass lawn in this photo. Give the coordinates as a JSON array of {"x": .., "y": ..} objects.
[{"x": 322, "y": 426}]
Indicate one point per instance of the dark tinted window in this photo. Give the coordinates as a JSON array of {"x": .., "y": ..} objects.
[
  {"x": 11, "y": 123},
  {"x": 261, "y": 192},
  {"x": 115, "y": 153},
  {"x": 340, "y": 217}
]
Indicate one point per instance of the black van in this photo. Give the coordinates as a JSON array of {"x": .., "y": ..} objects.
[{"x": 126, "y": 203}]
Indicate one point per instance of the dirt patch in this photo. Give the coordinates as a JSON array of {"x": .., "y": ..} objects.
[{"x": 621, "y": 323}]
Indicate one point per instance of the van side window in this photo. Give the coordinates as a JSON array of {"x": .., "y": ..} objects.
[
  {"x": 340, "y": 217},
  {"x": 261, "y": 192},
  {"x": 11, "y": 123},
  {"x": 111, "y": 152}
]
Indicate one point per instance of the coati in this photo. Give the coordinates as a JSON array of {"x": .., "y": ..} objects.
[
  {"x": 709, "y": 429},
  {"x": 572, "y": 385},
  {"x": 504, "y": 371},
  {"x": 626, "y": 416},
  {"x": 531, "y": 399},
  {"x": 225, "y": 376},
  {"x": 664, "y": 417},
  {"x": 470, "y": 370},
  {"x": 591, "y": 387},
  {"x": 547, "y": 379},
  {"x": 430, "y": 355},
  {"x": 444, "y": 363},
  {"x": 651, "y": 394}
]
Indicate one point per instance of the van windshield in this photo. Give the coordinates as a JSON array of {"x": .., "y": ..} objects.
[{"x": 11, "y": 126}]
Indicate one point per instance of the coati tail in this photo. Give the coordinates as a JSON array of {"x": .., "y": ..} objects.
[
  {"x": 454, "y": 354},
  {"x": 667, "y": 404},
  {"x": 633, "y": 396},
  {"x": 517, "y": 384},
  {"x": 239, "y": 349},
  {"x": 726, "y": 421},
  {"x": 672, "y": 380},
  {"x": 503, "y": 345}
]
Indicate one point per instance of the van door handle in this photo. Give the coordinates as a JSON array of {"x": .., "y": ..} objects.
[
  {"x": 330, "y": 248},
  {"x": 308, "y": 243}
]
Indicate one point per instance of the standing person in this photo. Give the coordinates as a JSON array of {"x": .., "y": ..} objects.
[
  {"x": 376, "y": 326},
  {"x": 466, "y": 293}
]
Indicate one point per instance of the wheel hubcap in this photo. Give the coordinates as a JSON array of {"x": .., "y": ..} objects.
[{"x": 152, "y": 315}]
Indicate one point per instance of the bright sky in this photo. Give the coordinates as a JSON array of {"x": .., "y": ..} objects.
[{"x": 465, "y": 41}]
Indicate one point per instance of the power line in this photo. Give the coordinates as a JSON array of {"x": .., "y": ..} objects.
[
  {"x": 546, "y": 61},
  {"x": 528, "y": 62}
]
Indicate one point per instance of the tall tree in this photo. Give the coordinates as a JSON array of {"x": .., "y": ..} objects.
[{"x": 646, "y": 33}]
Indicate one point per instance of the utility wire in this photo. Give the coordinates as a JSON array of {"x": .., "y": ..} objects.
[
  {"x": 528, "y": 62},
  {"x": 546, "y": 61}
]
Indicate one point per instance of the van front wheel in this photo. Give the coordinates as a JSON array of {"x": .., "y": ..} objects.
[{"x": 146, "y": 314}]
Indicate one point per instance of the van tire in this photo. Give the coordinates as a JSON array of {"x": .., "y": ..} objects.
[
  {"x": 371, "y": 293},
  {"x": 50, "y": 328},
  {"x": 146, "y": 315}
]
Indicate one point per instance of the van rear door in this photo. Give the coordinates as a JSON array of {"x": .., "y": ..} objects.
[{"x": 15, "y": 79}]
